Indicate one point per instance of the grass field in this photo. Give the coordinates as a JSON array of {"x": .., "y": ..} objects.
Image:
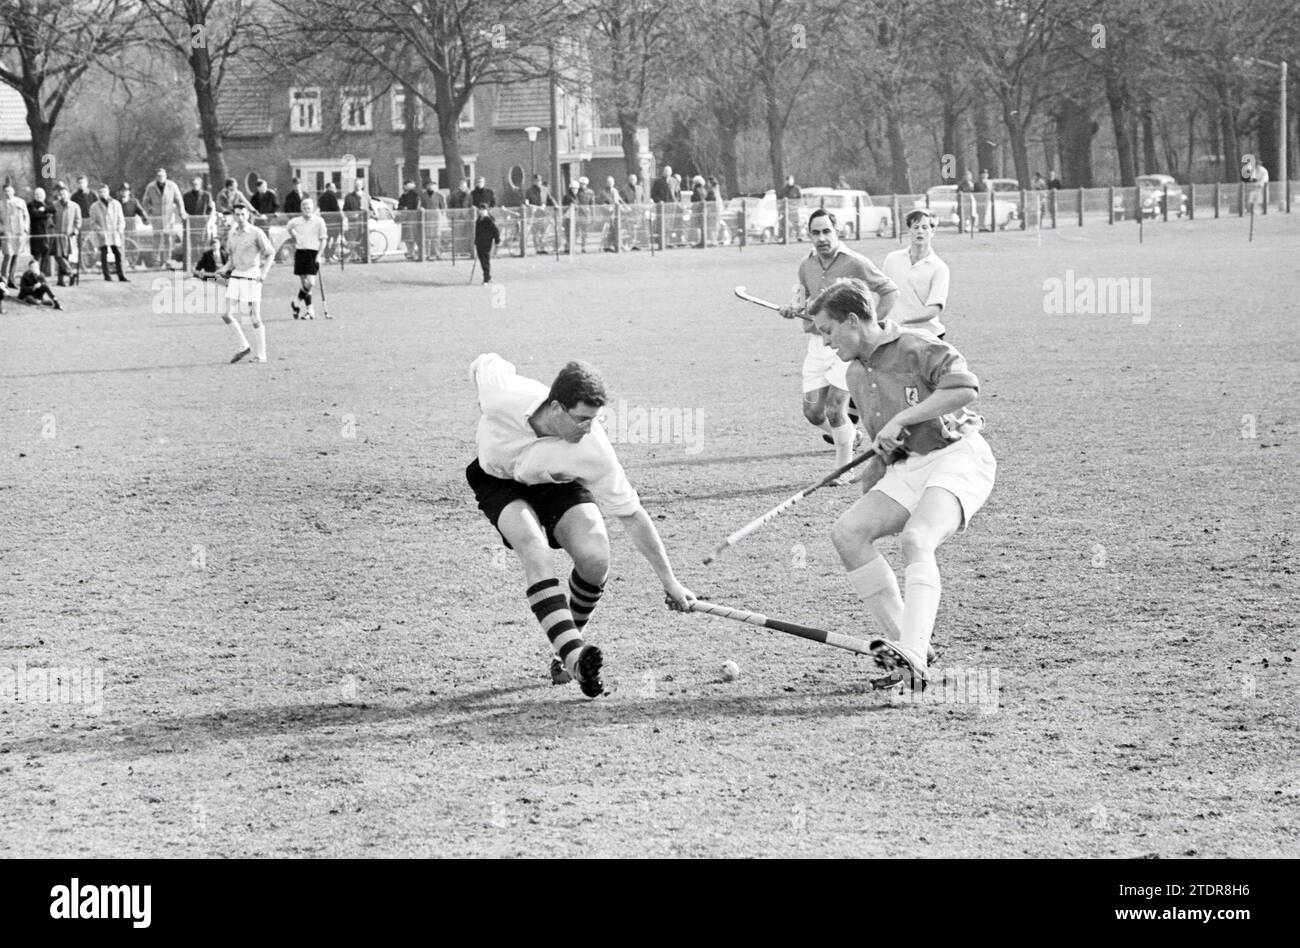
[{"x": 312, "y": 644}]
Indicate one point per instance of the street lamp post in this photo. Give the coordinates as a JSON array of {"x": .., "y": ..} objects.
[
  {"x": 532, "y": 131},
  {"x": 1283, "y": 131}
]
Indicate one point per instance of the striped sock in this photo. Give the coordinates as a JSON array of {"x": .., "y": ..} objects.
[
  {"x": 583, "y": 597},
  {"x": 552, "y": 611}
]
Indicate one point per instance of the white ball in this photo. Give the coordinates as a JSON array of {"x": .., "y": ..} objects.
[{"x": 730, "y": 671}]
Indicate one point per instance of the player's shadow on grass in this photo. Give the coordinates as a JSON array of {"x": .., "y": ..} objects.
[
  {"x": 121, "y": 368},
  {"x": 488, "y": 714},
  {"x": 732, "y": 459}
]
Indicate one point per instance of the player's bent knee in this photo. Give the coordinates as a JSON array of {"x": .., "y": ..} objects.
[
  {"x": 814, "y": 413},
  {"x": 918, "y": 543}
]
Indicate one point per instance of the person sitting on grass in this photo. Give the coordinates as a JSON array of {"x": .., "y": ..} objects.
[
  {"x": 213, "y": 259},
  {"x": 32, "y": 288}
]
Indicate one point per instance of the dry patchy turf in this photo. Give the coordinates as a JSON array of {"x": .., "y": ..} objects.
[{"x": 313, "y": 645}]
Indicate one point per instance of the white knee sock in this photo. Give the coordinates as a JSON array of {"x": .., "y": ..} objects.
[
  {"x": 876, "y": 584},
  {"x": 260, "y": 333},
  {"x": 233, "y": 322},
  {"x": 843, "y": 436},
  {"x": 920, "y": 607}
]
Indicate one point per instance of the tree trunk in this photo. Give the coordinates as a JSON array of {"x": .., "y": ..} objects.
[
  {"x": 1074, "y": 133},
  {"x": 412, "y": 136},
  {"x": 627, "y": 123},
  {"x": 985, "y": 146},
  {"x": 448, "y": 111},
  {"x": 1117, "y": 99},
  {"x": 43, "y": 170},
  {"x": 727, "y": 135},
  {"x": 1191, "y": 145},
  {"x": 1019, "y": 147},
  {"x": 952, "y": 141},
  {"x": 775, "y": 136},
  {"x": 900, "y": 174},
  {"x": 210, "y": 128},
  {"x": 1228, "y": 130},
  {"x": 1150, "y": 158},
  {"x": 1266, "y": 123}
]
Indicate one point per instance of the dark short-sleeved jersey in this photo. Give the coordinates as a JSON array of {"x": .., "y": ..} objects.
[
  {"x": 814, "y": 277},
  {"x": 906, "y": 369}
]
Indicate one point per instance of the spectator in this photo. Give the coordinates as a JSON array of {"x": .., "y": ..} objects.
[
  {"x": 718, "y": 207},
  {"x": 609, "y": 194},
  {"x": 83, "y": 196},
  {"x": 633, "y": 192},
  {"x": 166, "y": 210},
  {"x": 790, "y": 196},
  {"x": 665, "y": 189},
  {"x": 966, "y": 205},
  {"x": 571, "y": 216},
  {"x": 198, "y": 202},
  {"x": 211, "y": 262},
  {"x": 791, "y": 191},
  {"x": 132, "y": 213},
  {"x": 408, "y": 211},
  {"x": 357, "y": 203},
  {"x": 1040, "y": 183},
  {"x": 433, "y": 204},
  {"x": 67, "y": 227},
  {"x": 109, "y": 224},
  {"x": 482, "y": 194},
  {"x": 486, "y": 235},
  {"x": 264, "y": 201},
  {"x": 33, "y": 288},
  {"x": 539, "y": 195},
  {"x": 985, "y": 186},
  {"x": 229, "y": 198},
  {"x": 608, "y": 198},
  {"x": 333, "y": 216},
  {"x": 459, "y": 199},
  {"x": 1053, "y": 181},
  {"x": 15, "y": 227},
  {"x": 40, "y": 216},
  {"x": 293, "y": 200},
  {"x": 1259, "y": 187}
]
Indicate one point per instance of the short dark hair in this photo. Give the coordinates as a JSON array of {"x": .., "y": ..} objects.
[
  {"x": 915, "y": 213},
  {"x": 578, "y": 382},
  {"x": 847, "y": 296},
  {"x": 822, "y": 212}
]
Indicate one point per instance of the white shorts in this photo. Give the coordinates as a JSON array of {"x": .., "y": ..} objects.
[
  {"x": 966, "y": 468},
  {"x": 244, "y": 288},
  {"x": 822, "y": 367}
]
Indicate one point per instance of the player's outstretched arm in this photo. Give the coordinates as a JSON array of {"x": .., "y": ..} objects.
[{"x": 646, "y": 539}]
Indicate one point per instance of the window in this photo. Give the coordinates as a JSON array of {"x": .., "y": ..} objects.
[
  {"x": 358, "y": 110},
  {"x": 399, "y": 110},
  {"x": 304, "y": 110},
  {"x": 467, "y": 114}
]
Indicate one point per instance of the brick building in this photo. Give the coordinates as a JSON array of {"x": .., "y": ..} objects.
[{"x": 283, "y": 130}]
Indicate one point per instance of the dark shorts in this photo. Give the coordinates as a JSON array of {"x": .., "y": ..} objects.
[
  {"x": 304, "y": 263},
  {"x": 549, "y": 501}
]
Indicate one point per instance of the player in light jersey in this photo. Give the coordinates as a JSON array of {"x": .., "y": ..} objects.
[
  {"x": 914, "y": 392},
  {"x": 919, "y": 274},
  {"x": 544, "y": 464},
  {"x": 308, "y": 233},
  {"x": 251, "y": 256},
  {"x": 825, "y": 393}
]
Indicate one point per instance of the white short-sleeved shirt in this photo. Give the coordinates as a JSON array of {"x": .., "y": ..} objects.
[
  {"x": 920, "y": 284},
  {"x": 510, "y": 449},
  {"x": 308, "y": 233}
]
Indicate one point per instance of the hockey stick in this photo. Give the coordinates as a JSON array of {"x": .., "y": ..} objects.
[
  {"x": 847, "y": 642},
  {"x": 785, "y": 505},
  {"x": 766, "y": 304}
]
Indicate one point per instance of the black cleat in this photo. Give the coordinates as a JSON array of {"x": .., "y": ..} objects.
[
  {"x": 241, "y": 354},
  {"x": 559, "y": 675},
  {"x": 890, "y": 658},
  {"x": 589, "y": 664}
]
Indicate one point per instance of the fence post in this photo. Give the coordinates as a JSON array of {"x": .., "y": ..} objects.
[
  {"x": 893, "y": 202},
  {"x": 1216, "y": 200},
  {"x": 1164, "y": 203},
  {"x": 1024, "y": 209},
  {"x": 1052, "y": 205},
  {"x": 1191, "y": 202},
  {"x": 744, "y": 224},
  {"x": 1081, "y": 207},
  {"x": 618, "y": 228},
  {"x": 1110, "y": 204},
  {"x": 524, "y": 228},
  {"x": 1241, "y": 199},
  {"x": 857, "y": 217},
  {"x": 663, "y": 225},
  {"x": 785, "y": 220},
  {"x": 451, "y": 224}
]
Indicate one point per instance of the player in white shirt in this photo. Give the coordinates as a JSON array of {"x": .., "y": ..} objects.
[
  {"x": 545, "y": 471},
  {"x": 251, "y": 256},
  {"x": 307, "y": 231},
  {"x": 921, "y": 277}
]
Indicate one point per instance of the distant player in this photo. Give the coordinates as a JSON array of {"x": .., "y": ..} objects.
[
  {"x": 919, "y": 274},
  {"x": 914, "y": 392},
  {"x": 825, "y": 393},
  {"x": 309, "y": 234},
  {"x": 544, "y": 464},
  {"x": 251, "y": 256}
]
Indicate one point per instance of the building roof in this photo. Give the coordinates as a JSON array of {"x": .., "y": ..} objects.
[
  {"x": 244, "y": 108},
  {"x": 522, "y": 104},
  {"x": 13, "y": 116}
]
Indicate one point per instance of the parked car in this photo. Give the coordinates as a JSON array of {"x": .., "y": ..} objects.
[
  {"x": 842, "y": 204},
  {"x": 762, "y": 217},
  {"x": 1151, "y": 197},
  {"x": 943, "y": 205}
]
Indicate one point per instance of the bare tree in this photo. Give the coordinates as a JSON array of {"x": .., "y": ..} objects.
[
  {"x": 46, "y": 47},
  {"x": 208, "y": 35}
]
